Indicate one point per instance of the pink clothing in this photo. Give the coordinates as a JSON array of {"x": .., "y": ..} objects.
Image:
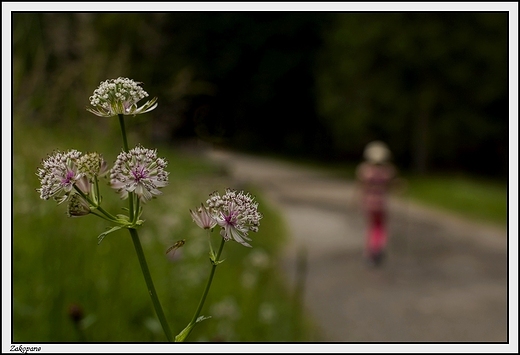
[
  {"x": 375, "y": 182},
  {"x": 377, "y": 236}
]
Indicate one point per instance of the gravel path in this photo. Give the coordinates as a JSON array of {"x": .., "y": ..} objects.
[{"x": 445, "y": 279}]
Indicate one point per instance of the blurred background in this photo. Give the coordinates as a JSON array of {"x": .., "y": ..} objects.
[
  {"x": 311, "y": 87},
  {"x": 433, "y": 85}
]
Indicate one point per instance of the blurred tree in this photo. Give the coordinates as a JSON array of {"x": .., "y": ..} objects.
[
  {"x": 243, "y": 79},
  {"x": 433, "y": 85},
  {"x": 60, "y": 58},
  {"x": 261, "y": 66}
]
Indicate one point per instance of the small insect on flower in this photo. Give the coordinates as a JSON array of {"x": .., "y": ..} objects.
[{"x": 176, "y": 246}]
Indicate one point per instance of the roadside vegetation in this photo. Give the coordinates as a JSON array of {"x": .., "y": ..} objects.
[
  {"x": 60, "y": 272},
  {"x": 477, "y": 198}
]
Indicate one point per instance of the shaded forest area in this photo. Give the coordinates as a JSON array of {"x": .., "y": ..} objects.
[{"x": 433, "y": 85}]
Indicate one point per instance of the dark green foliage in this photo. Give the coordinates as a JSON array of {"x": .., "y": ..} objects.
[{"x": 434, "y": 85}]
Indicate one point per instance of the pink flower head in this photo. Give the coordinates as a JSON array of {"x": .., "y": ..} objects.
[
  {"x": 59, "y": 175},
  {"x": 139, "y": 171},
  {"x": 202, "y": 217},
  {"x": 236, "y": 214}
]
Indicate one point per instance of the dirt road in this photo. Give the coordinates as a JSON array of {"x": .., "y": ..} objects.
[{"x": 445, "y": 279}]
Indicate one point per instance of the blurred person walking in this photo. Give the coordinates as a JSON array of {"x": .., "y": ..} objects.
[{"x": 375, "y": 175}]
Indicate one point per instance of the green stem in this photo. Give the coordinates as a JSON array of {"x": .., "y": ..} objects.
[
  {"x": 149, "y": 284},
  {"x": 100, "y": 216},
  {"x": 184, "y": 334},
  {"x": 96, "y": 194},
  {"x": 208, "y": 285},
  {"x": 211, "y": 252},
  {"x": 136, "y": 214},
  {"x": 108, "y": 216},
  {"x": 131, "y": 211},
  {"x": 123, "y": 131},
  {"x": 80, "y": 332}
]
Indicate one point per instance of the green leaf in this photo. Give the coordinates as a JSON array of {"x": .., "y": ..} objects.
[
  {"x": 213, "y": 258},
  {"x": 201, "y": 318},
  {"x": 186, "y": 331},
  {"x": 123, "y": 217},
  {"x": 104, "y": 234},
  {"x": 215, "y": 262}
]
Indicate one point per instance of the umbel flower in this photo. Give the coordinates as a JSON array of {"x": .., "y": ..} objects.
[
  {"x": 59, "y": 174},
  {"x": 202, "y": 217},
  {"x": 139, "y": 171},
  {"x": 92, "y": 164},
  {"x": 119, "y": 97},
  {"x": 236, "y": 213}
]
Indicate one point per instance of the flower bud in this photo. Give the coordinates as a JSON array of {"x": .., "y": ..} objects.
[{"x": 78, "y": 206}]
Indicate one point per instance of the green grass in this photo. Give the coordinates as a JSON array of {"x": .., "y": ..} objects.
[
  {"x": 57, "y": 262},
  {"x": 471, "y": 197}
]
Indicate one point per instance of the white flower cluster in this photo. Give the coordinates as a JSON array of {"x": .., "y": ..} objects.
[
  {"x": 139, "y": 171},
  {"x": 235, "y": 212},
  {"x": 59, "y": 174},
  {"x": 119, "y": 97},
  {"x": 62, "y": 172}
]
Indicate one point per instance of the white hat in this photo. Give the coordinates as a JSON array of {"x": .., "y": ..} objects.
[{"x": 377, "y": 152}]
